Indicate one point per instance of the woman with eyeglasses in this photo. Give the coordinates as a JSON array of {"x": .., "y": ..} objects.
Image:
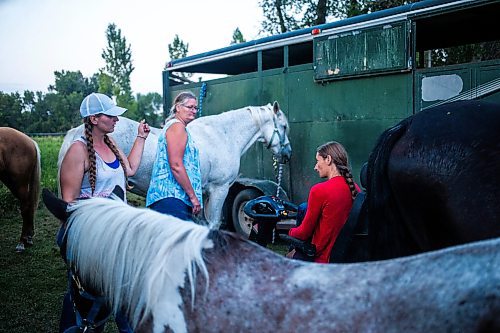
[{"x": 175, "y": 186}]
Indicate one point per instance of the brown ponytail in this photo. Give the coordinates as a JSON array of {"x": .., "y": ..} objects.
[{"x": 339, "y": 157}]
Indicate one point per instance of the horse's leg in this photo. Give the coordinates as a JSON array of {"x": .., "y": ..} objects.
[
  {"x": 213, "y": 213},
  {"x": 27, "y": 192},
  {"x": 27, "y": 208}
]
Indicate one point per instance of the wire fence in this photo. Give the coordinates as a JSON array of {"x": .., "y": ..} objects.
[{"x": 46, "y": 134}]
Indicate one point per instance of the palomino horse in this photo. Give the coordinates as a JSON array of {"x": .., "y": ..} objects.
[
  {"x": 169, "y": 275},
  {"x": 222, "y": 140},
  {"x": 433, "y": 181},
  {"x": 20, "y": 172}
]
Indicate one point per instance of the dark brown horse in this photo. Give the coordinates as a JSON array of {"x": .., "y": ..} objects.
[
  {"x": 433, "y": 181},
  {"x": 20, "y": 172}
]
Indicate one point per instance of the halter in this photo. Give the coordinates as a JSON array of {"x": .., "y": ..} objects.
[
  {"x": 277, "y": 162},
  {"x": 276, "y": 132}
]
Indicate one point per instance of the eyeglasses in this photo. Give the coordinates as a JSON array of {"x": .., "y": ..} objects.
[{"x": 190, "y": 107}]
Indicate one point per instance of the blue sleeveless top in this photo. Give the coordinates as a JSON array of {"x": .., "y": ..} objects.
[{"x": 163, "y": 183}]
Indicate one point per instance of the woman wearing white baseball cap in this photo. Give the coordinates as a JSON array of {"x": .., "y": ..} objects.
[{"x": 94, "y": 165}]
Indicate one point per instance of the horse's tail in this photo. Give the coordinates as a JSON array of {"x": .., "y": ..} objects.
[
  {"x": 382, "y": 209},
  {"x": 36, "y": 176}
]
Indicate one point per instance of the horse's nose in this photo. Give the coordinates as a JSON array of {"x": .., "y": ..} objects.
[{"x": 286, "y": 153}]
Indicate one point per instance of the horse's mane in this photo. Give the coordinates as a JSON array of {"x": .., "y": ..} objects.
[
  {"x": 387, "y": 229},
  {"x": 231, "y": 114},
  {"x": 136, "y": 257}
]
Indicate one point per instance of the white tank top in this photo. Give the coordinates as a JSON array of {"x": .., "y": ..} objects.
[{"x": 107, "y": 178}]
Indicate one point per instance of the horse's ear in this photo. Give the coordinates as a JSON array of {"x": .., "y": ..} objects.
[
  {"x": 118, "y": 191},
  {"x": 276, "y": 107},
  {"x": 55, "y": 205}
]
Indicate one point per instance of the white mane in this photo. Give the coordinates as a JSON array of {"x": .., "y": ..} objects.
[{"x": 136, "y": 257}]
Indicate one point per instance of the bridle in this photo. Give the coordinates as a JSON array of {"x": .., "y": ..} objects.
[{"x": 276, "y": 132}]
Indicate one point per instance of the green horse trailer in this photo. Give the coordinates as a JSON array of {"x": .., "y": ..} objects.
[{"x": 346, "y": 81}]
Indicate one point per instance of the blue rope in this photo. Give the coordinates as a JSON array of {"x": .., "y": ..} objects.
[{"x": 203, "y": 94}]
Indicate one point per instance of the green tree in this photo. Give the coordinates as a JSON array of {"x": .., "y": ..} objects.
[
  {"x": 287, "y": 15},
  {"x": 150, "y": 108},
  {"x": 237, "y": 37},
  {"x": 177, "y": 50},
  {"x": 67, "y": 82},
  {"x": 118, "y": 58},
  {"x": 11, "y": 111}
]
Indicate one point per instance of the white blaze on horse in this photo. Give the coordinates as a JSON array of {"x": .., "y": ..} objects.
[
  {"x": 169, "y": 275},
  {"x": 20, "y": 171},
  {"x": 221, "y": 139}
]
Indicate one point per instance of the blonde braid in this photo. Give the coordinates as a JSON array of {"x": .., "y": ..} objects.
[
  {"x": 91, "y": 153},
  {"x": 113, "y": 148}
]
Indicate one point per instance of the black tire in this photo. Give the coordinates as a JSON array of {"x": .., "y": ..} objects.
[{"x": 241, "y": 223}]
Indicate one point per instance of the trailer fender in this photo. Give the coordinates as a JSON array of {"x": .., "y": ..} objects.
[{"x": 242, "y": 191}]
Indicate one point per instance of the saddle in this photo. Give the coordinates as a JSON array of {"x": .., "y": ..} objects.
[{"x": 91, "y": 311}]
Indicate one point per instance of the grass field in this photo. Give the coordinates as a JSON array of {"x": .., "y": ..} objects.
[{"x": 32, "y": 284}]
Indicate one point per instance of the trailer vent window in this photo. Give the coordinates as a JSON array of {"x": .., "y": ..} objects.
[{"x": 361, "y": 52}]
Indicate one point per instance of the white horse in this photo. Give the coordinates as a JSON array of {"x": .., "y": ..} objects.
[
  {"x": 171, "y": 276},
  {"x": 222, "y": 140}
]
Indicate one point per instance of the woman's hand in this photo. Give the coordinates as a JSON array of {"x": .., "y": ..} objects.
[
  {"x": 196, "y": 205},
  {"x": 143, "y": 129}
]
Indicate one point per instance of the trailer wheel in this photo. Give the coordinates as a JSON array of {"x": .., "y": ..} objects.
[{"x": 242, "y": 224}]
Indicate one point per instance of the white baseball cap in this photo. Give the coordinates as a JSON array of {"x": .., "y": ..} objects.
[{"x": 97, "y": 103}]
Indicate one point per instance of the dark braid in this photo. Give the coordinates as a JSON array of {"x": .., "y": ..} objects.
[
  {"x": 347, "y": 174},
  {"x": 111, "y": 146},
  {"x": 91, "y": 153},
  {"x": 339, "y": 157}
]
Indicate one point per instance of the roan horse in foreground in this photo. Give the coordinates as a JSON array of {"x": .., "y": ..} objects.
[
  {"x": 221, "y": 139},
  {"x": 172, "y": 275},
  {"x": 20, "y": 171}
]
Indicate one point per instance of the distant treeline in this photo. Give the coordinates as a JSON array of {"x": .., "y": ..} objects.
[{"x": 58, "y": 110}]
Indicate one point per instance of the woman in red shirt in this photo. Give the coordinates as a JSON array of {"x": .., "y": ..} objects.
[{"x": 329, "y": 202}]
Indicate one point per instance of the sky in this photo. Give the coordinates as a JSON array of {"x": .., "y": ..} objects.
[{"x": 38, "y": 37}]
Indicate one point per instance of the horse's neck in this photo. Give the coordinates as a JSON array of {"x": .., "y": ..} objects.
[{"x": 241, "y": 126}]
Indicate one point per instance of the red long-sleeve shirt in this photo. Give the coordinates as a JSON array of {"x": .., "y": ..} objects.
[{"x": 328, "y": 207}]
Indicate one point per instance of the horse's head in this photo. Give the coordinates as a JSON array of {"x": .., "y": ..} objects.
[
  {"x": 59, "y": 208},
  {"x": 275, "y": 134}
]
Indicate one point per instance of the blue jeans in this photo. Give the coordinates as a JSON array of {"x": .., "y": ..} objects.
[
  {"x": 174, "y": 207},
  {"x": 301, "y": 213}
]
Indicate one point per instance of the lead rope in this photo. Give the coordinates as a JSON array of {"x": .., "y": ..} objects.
[
  {"x": 278, "y": 171},
  {"x": 203, "y": 94}
]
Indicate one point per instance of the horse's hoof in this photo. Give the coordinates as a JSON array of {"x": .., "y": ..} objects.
[
  {"x": 20, "y": 247},
  {"x": 28, "y": 241}
]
